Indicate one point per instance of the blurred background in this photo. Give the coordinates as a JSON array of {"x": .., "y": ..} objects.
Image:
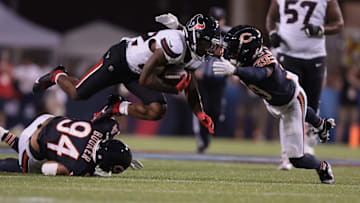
[{"x": 36, "y": 36}]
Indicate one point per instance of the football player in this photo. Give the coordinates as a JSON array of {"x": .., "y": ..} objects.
[
  {"x": 211, "y": 87},
  {"x": 57, "y": 145},
  {"x": 284, "y": 98},
  {"x": 138, "y": 63},
  {"x": 298, "y": 29}
]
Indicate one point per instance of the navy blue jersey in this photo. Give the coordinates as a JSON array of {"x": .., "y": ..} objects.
[
  {"x": 277, "y": 89},
  {"x": 71, "y": 142}
]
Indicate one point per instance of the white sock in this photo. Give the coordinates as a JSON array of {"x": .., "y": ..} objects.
[
  {"x": 123, "y": 108},
  {"x": 58, "y": 75}
]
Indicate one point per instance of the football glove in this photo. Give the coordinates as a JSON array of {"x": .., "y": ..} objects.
[
  {"x": 169, "y": 20},
  {"x": 274, "y": 39},
  {"x": 313, "y": 30},
  {"x": 136, "y": 164},
  {"x": 185, "y": 81},
  {"x": 223, "y": 67},
  {"x": 206, "y": 121},
  {"x": 324, "y": 130}
]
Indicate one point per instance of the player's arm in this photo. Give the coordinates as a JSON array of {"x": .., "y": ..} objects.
[
  {"x": 272, "y": 18},
  {"x": 149, "y": 76},
  {"x": 170, "y": 21},
  {"x": 54, "y": 168},
  {"x": 334, "y": 18},
  {"x": 251, "y": 74},
  {"x": 194, "y": 100}
]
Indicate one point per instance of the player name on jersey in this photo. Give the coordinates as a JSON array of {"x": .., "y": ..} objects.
[{"x": 95, "y": 137}]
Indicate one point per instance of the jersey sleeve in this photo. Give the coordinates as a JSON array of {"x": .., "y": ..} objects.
[{"x": 173, "y": 49}]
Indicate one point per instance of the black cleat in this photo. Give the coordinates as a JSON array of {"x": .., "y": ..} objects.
[
  {"x": 325, "y": 173},
  {"x": 47, "y": 80},
  {"x": 111, "y": 108}
]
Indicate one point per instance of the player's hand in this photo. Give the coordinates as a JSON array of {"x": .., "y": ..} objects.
[
  {"x": 223, "y": 67},
  {"x": 274, "y": 39},
  {"x": 169, "y": 20},
  {"x": 136, "y": 164},
  {"x": 206, "y": 121},
  {"x": 185, "y": 81},
  {"x": 313, "y": 30}
]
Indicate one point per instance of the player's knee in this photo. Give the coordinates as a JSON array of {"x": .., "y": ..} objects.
[{"x": 157, "y": 111}]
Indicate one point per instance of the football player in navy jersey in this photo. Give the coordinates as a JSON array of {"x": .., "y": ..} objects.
[
  {"x": 297, "y": 30},
  {"x": 57, "y": 145},
  {"x": 259, "y": 70},
  {"x": 138, "y": 63}
]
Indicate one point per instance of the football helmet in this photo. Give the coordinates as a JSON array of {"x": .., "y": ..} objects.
[
  {"x": 202, "y": 35},
  {"x": 112, "y": 156},
  {"x": 242, "y": 44}
]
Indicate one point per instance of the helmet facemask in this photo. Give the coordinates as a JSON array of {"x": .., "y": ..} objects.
[{"x": 202, "y": 35}]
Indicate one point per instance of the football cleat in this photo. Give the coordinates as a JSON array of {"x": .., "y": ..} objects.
[
  {"x": 325, "y": 173},
  {"x": 110, "y": 109},
  {"x": 324, "y": 129},
  {"x": 47, "y": 80},
  {"x": 285, "y": 165}
]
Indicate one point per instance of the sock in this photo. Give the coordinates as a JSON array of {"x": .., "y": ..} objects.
[
  {"x": 312, "y": 118},
  {"x": 307, "y": 161},
  {"x": 11, "y": 140},
  {"x": 123, "y": 107},
  {"x": 56, "y": 76}
]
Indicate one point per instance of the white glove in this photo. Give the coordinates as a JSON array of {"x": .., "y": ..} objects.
[
  {"x": 169, "y": 20},
  {"x": 3, "y": 131},
  {"x": 223, "y": 67},
  {"x": 136, "y": 164}
]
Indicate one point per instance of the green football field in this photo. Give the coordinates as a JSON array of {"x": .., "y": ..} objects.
[{"x": 194, "y": 181}]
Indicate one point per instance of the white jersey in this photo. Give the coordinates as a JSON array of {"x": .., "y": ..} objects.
[
  {"x": 172, "y": 42},
  {"x": 293, "y": 16}
]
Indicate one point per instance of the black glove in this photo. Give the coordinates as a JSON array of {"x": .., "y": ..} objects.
[
  {"x": 313, "y": 30},
  {"x": 275, "y": 39}
]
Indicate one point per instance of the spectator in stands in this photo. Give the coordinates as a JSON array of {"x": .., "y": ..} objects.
[
  {"x": 25, "y": 74},
  {"x": 8, "y": 93}
]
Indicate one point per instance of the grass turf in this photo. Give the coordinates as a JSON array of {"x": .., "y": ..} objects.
[{"x": 191, "y": 181}]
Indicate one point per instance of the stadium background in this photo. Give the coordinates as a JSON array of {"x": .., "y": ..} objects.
[{"x": 82, "y": 31}]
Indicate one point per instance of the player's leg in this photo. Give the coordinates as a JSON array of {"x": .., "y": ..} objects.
[
  {"x": 294, "y": 130},
  {"x": 153, "y": 105},
  {"x": 10, "y": 165},
  {"x": 9, "y": 138},
  {"x": 312, "y": 83},
  {"x": 284, "y": 162},
  {"x": 109, "y": 71}
]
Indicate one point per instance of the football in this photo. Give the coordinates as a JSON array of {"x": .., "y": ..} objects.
[{"x": 173, "y": 74}]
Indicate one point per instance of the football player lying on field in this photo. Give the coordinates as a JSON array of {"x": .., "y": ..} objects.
[{"x": 57, "y": 145}]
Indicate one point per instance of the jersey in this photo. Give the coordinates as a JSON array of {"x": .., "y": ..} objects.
[
  {"x": 293, "y": 16},
  {"x": 278, "y": 89},
  {"x": 171, "y": 42},
  {"x": 71, "y": 142}
]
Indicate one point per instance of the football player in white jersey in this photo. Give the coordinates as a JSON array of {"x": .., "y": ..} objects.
[
  {"x": 138, "y": 63},
  {"x": 297, "y": 28}
]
